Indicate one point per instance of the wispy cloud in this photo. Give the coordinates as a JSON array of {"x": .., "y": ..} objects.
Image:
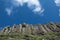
[
  {"x": 58, "y": 5},
  {"x": 57, "y": 2},
  {"x": 34, "y": 5},
  {"x": 8, "y": 10},
  {"x": 59, "y": 12}
]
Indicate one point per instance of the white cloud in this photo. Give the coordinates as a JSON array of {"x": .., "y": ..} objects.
[
  {"x": 37, "y": 9},
  {"x": 59, "y": 12},
  {"x": 20, "y": 2},
  {"x": 57, "y": 2},
  {"x": 8, "y": 10},
  {"x": 34, "y": 5},
  {"x": 40, "y": 12}
]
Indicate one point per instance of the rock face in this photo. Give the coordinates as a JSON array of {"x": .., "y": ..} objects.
[{"x": 39, "y": 29}]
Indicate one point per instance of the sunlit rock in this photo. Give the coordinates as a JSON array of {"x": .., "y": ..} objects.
[{"x": 37, "y": 29}]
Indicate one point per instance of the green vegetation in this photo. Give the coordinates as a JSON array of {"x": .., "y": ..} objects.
[{"x": 16, "y": 36}]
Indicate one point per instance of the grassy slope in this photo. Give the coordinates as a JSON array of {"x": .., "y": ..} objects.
[{"x": 16, "y": 36}]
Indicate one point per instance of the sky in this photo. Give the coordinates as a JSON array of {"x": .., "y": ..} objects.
[{"x": 29, "y": 11}]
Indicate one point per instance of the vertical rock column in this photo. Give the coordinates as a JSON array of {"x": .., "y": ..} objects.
[
  {"x": 20, "y": 28},
  {"x": 46, "y": 28},
  {"x": 6, "y": 30},
  {"x": 28, "y": 29},
  {"x": 43, "y": 29}
]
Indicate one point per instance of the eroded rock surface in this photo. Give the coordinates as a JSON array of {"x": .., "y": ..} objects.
[{"x": 33, "y": 29}]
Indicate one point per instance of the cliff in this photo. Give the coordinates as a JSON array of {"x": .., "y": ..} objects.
[
  {"x": 28, "y": 30},
  {"x": 33, "y": 29}
]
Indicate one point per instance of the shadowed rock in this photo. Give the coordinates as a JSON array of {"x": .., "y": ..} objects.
[{"x": 7, "y": 29}]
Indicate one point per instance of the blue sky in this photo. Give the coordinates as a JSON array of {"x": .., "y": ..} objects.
[{"x": 29, "y": 11}]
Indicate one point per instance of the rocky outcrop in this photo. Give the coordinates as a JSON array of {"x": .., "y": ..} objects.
[{"x": 38, "y": 29}]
